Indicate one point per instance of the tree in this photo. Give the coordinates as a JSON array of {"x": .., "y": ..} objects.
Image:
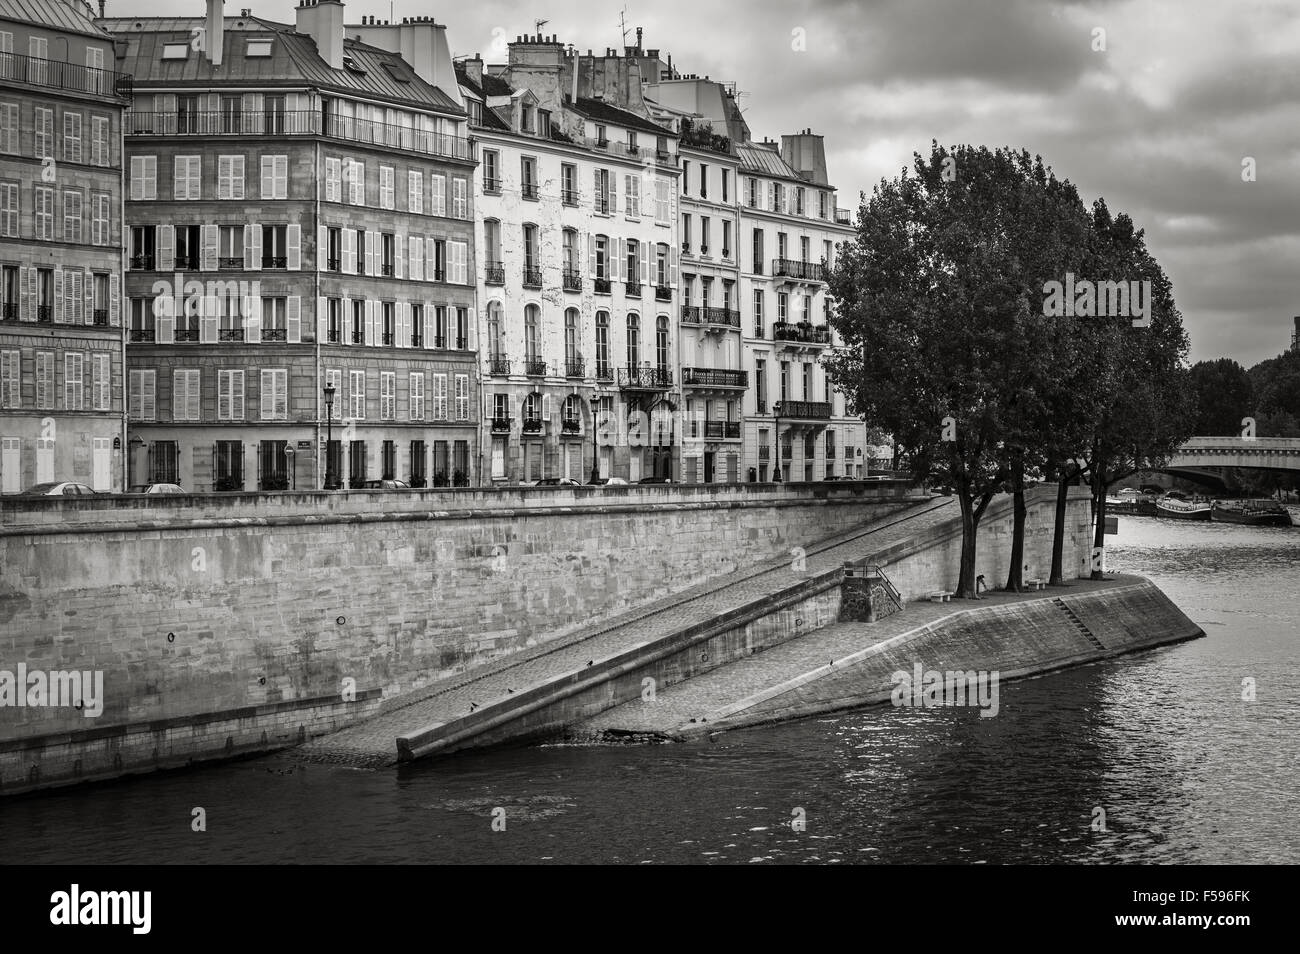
[{"x": 1223, "y": 395}]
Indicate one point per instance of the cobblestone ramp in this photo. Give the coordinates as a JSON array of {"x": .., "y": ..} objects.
[{"x": 373, "y": 743}]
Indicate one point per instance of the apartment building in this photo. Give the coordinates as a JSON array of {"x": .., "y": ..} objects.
[
  {"x": 577, "y": 219},
  {"x": 300, "y": 298},
  {"x": 61, "y": 343}
]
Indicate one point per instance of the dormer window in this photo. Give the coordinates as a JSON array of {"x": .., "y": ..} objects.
[
  {"x": 396, "y": 73},
  {"x": 525, "y": 118},
  {"x": 351, "y": 66},
  {"x": 175, "y": 51},
  {"x": 255, "y": 48},
  {"x": 602, "y": 138},
  {"x": 475, "y": 112},
  {"x": 543, "y": 123}
]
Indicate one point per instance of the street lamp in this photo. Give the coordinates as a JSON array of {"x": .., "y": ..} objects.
[
  {"x": 293, "y": 470},
  {"x": 776, "y": 448},
  {"x": 331, "y": 478}
]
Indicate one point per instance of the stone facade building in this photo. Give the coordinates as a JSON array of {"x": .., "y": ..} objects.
[
  {"x": 61, "y": 344},
  {"x": 301, "y": 218}
]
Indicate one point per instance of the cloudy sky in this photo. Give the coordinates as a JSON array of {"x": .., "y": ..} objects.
[{"x": 1158, "y": 123}]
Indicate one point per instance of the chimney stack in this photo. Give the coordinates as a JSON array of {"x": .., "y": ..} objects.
[{"x": 322, "y": 20}]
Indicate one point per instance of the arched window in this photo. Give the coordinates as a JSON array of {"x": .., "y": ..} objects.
[
  {"x": 633, "y": 342},
  {"x": 532, "y": 316},
  {"x": 571, "y": 415},
  {"x": 532, "y": 411},
  {"x": 661, "y": 343},
  {"x": 572, "y": 360},
  {"x": 495, "y": 350},
  {"x": 602, "y": 345}
]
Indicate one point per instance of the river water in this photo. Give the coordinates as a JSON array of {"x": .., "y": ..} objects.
[{"x": 1162, "y": 741}]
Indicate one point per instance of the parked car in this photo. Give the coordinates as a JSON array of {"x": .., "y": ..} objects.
[
  {"x": 59, "y": 488},
  {"x": 654, "y": 480},
  {"x": 608, "y": 482},
  {"x": 387, "y": 484},
  {"x": 556, "y": 482},
  {"x": 157, "y": 489}
]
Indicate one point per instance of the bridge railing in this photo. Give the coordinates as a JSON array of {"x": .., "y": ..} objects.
[{"x": 1236, "y": 442}]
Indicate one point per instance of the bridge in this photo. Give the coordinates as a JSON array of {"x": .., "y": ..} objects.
[{"x": 1202, "y": 458}]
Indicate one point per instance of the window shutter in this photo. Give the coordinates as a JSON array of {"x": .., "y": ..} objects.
[
  {"x": 225, "y": 393},
  {"x": 208, "y": 319},
  {"x": 596, "y": 190},
  {"x": 401, "y": 333},
  {"x": 322, "y": 315},
  {"x": 253, "y": 319},
  {"x": 166, "y": 248},
  {"x": 280, "y": 174},
  {"x": 397, "y": 256},
  {"x": 429, "y": 274},
  {"x": 192, "y": 395},
  {"x": 266, "y": 396},
  {"x": 165, "y": 322},
  {"x": 546, "y": 408},
  {"x": 268, "y": 177},
  {"x": 370, "y": 322},
  {"x": 26, "y": 298},
  {"x": 252, "y": 247},
  {"x": 237, "y": 404},
  {"x": 322, "y": 248},
  {"x": 370, "y": 252},
  {"x": 293, "y": 319},
  {"x": 415, "y": 257},
  {"x": 672, "y": 266},
  {"x": 58, "y": 295},
  {"x": 428, "y": 324},
  {"x": 591, "y": 256},
  {"x": 88, "y": 296},
  {"x": 349, "y": 251},
  {"x": 293, "y": 244},
  {"x": 114, "y": 304},
  {"x": 613, "y": 194},
  {"x": 208, "y": 257}
]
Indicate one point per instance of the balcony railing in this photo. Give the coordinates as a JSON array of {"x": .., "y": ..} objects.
[
  {"x": 501, "y": 425},
  {"x": 759, "y": 331},
  {"x": 663, "y": 293},
  {"x": 230, "y": 334},
  {"x": 645, "y": 379},
  {"x": 189, "y": 263},
  {"x": 722, "y": 316},
  {"x": 386, "y": 337},
  {"x": 440, "y": 275},
  {"x": 439, "y": 341},
  {"x": 632, "y": 289},
  {"x": 491, "y": 186},
  {"x": 760, "y": 406},
  {"x": 358, "y": 337},
  {"x": 226, "y": 262},
  {"x": 186, "y": 334},
  {"x": 601, "y": 286},
  {"x": 142, "y": 263},
  {"x": 300, "y": 122},
  {"x": 499, "y": 365},
  {"x": 575, "y": 367},
  {"x": 100, "y": 316},
  {"x": 55, "y": 74},
  {"x": 572, "y": 280},
  {"x": 333, "y": 264},
  {"x": 534, "y": 368},
  {"x": 494, "y": 273},
  {"x": 604, "y": 372},
  {"x": 461, "y": 343},
  {"x": 571, "y": 425},
  {"x": 804, "y": 410},
  {"x": 417, "y": 340},
  {"x": 715, "y": 378},
  {"x": 531, "y": 425},
  {"x": 45, "y": 313},
  {"x": 142, "y": 334},
  {"x": 691, "y": 313},
  {"x": 722, "y": 430},
  {"x": 532, "y": 278},
  {"x": 569, "y": 196},
  {"x": 843, "y": 217},
  {"x": 801, "y": 333},
  {"x": 764, "y": 452},
  {"x": 386, "y": 269},
  {"x": 805, "y": 271},
  {"x": 272, "y": 261},
  {"x": 529, "y": 190},
  {"x": 332, "y": 336}
]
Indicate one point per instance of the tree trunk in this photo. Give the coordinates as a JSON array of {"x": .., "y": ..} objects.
[
  {"x": 966, "y": 576},
  {"x": 1099, "y": 528},
  {"x": 1058, "y": 530},
  {"x": 1015, "y": 574}
]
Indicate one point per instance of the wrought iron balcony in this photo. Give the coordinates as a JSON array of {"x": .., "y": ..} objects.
[
  {"x": 722, "y": 316},
  {"x": 439, "y": 341},
  {"x": 55, "y": 74},
  {"x": 501, "y": 425},
  {"x": 804, "y": 271},
  {"x": 531, "y": 425},
  {"x": 633, "y": 289},
  {"x": 765, "y": 452},
  {"x": 142, "y": 263},
  {"x": 271, "y": 261},
  {"x": 440, "y": 275},
  {"x": 801, "y": 333},
  {"x": 529, "y": 190},
  {"x": 188, "y": 263},
  {"x": 532, "y": 278},
  {"x": 534, "y": 368},
  {"x": 187, "y": 334},
  {"x": 494, "y": 273},
  {"x": 230, "y": 262},
  {"x": 691, "y": 313},
  {"x": 386, "y": 338},
  {"x": 332, "y": 336},
  {"x": 760, "y": 406},
  {"x": 358, "y": 337},
  {"x": 142, "y": 334},
  {"x": 601, "y": 285},
  {"x": 604, "y": 372},
  {"x": 332, "y": 264},
  {"x": 572, "y": 280},
  {"x": 491, "y": 186},
  {"x": 45, "y": 313},
  {"x": 569, "y": 196},
  {"x": 645, "y": 379},
  {"x": 100, "y": 316},
  {"x": 386, "y": 269},
  {"x": 571, "y": 425},
  {"x": 575, "y": 367},
  {"x": 417, "y": 339},
  {"x": 759, "y": 330},
  {"x": 663, "y": 293},
  {"x": 499, "y": 365},
  {"x": 843, "y": 217},
  {"x": 461, "y": 344},
  {"x": 230, "y": 334},
  {"x": 722, "y": 430},
  {"x": 714, "y": 378},
  {"x": 804, "y": 410}
]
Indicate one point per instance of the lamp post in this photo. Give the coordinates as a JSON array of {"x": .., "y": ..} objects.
[
  {"x": 293, "y": 470},
  {"x": 595, "y": 449},
  {"x": 776, "y": 448},
  {"x": 331, "y": 478}
]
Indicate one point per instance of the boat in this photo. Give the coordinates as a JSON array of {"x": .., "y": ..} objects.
[
  {"x": 1257, "y": 513},
  {"x": 1179, "y": 509},
  {"x": 1137, "y": 505}
]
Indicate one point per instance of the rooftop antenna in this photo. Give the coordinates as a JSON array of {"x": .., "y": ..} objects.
[
  {"x": 622, "y": 24},
  {"x": 539, "y": 24}
]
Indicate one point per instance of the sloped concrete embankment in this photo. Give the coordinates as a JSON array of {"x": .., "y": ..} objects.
[{"x": 1015, "y": 640}]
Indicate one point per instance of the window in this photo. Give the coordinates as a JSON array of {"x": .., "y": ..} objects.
[
  {"x": 256, "y": 48},
  {"x": 543, "y": 123},
  {"x": 100, "y": 381},
  {"x": 74, "y": 381},
  {"x": 602, "y": 136},
  {"x": 803, "y": 248},
  {"x": 571, "y": 340},
  {"x": 528, "y": 177},
  {"x": 273, "y": 113},
  {"x": 632, "y": 204},
  {"x": 459, "y": 200},
  {"x": 99, "y": 148},
  {"x": 354, "y": 174},
  {"x": 43, "y": 133},
  {"x": 602, "y": 258},
  {"x": 230, "y": 177},
  {"x": 758, "y": 313},
  {"x": 9, "y": 209},
  {"x": 144, "y": 178},
  {"x": 633, "y": 341},
  {"x": 415, "y": 191},
  {"x": 532, "y": 267},
  {"x": 275, "y": 177},
  {"x": 164, "y": 461},
  {"x": 663, "y": 203},
  {"x": 334, "y": 379},
  {"x": 491, "y": 172},
  {"x": 661, "y": 266},
  {"x": 8, "y": 125},
  {"x": 45, "y": 379},
  {"x": 569, "y": 183},
  {"x": 440, "y": 397},
  {"x": 44, "y": 213},
  {"x": 462, "y": 404},
  {"x": 188, "y": 174},
  {"x": 602, "y": 344},
  {"x": 704, "y": 235},
  {"x": 275, "y": 253},
  {"x": 273, "y": 318},
  {"x": 632, "y": 275},
  {"x": 71, "y": 137},
  {"x": 760, "y": 384},
  {"x": 228, "y": 473},
  {"x": 686, "y": 177},
  {"x": 417, "y": 396},
  {"x": 726, "y": 238},
  {"x": 141, "y": 393},
  {"x": 525, "y": 118},
  {"x": 275, "y": 394},
  {"x": 532, "y": 315},
  {"x": 72, "y": 216},
  {"x": 462, "y": 328},
  {"x": 600, "y": 198},
  {"x": 440, "y": 326},
  {"x": 357, "y": 394},
  {"x": 230, "y": 395},
  {"x": 387, "y": 395},
  {"x": 438, "y": 195},
  {"x": 232, "y": 115},
  {"x": 661, "y": 343},
  {"x": 175, "y": 51},
  {"x": 686, "y": 232},
  {"x": 387, "y": 188},
  {"x": 726, "y": 185},
  {"x": 417, "y": 326},
  {"x": 704, "y": 181},
  {"x": 457, "y": 263},
  {"x": 100, "y": 205},
  {"x": 185, "y": 394},
  {"x": 782, "y": 306},
  {"x": 807, "y": 383},
  {"x": 387, "y": 251}
]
